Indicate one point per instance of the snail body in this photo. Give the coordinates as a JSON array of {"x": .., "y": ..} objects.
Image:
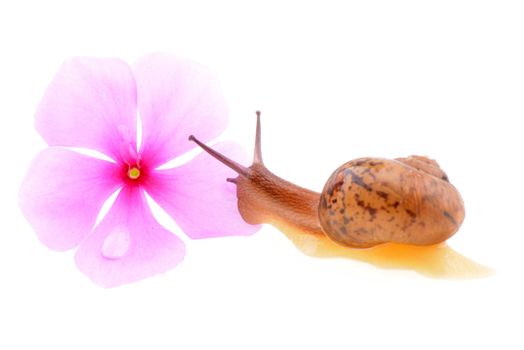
[{"x": 365, "y": 202}]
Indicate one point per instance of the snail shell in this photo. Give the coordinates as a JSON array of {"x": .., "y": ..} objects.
[{"x": 368, "y": 201}]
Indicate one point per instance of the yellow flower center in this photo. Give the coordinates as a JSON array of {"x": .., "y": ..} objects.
[{"x": 133, "y": 173}]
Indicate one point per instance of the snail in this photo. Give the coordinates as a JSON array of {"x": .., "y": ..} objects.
[{"x": 364, "y": 203}]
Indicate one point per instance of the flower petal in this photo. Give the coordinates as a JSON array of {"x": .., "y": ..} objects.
[
  {"x": 90, "y": 103},
  {"x": 128, "y": 244},
  {"x": 198, "y": 197},
  {"x": 62, "y": 194},
  {"x": 177, "y": 97}
]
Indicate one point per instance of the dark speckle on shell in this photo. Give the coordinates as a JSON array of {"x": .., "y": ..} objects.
[{"x": 408, "y": 200}]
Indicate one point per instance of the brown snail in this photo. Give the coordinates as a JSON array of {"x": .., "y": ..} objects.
[{"x": 365, "y": 202}]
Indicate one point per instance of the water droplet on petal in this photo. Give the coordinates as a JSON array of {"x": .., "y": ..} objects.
[{"x": 116, "y": 243}]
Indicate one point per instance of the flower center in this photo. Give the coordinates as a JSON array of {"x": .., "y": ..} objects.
[{"x": 133, "y": 173}]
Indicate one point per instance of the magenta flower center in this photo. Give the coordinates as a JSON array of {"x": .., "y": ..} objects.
[{"x": 133, "y": 173}]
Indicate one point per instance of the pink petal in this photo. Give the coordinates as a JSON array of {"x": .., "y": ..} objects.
[
  {"x": 62, "y": 194},
  {"x": 199, "y": 198},
  {"x": 91, "y": 103},
  {"x": 128, "y": 244},
  {"x": 176, "y": 98}
]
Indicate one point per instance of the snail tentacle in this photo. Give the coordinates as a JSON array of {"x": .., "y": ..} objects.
[
  {"x": 258, "y": 142},
  {"x": 238, "y": 168}
]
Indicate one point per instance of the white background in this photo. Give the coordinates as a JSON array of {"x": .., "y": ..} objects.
[{"x": 335, "y": 81}]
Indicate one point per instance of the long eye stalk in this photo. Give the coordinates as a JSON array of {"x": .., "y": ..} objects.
[
  {"x": 258, "y": 142},
  {"x": 240, "y": 169}
]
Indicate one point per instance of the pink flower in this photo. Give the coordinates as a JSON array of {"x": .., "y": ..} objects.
[{"x": 93, "y": 103}]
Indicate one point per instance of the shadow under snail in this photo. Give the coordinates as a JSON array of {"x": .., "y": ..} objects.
[{"x": 365, "y": 202}]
